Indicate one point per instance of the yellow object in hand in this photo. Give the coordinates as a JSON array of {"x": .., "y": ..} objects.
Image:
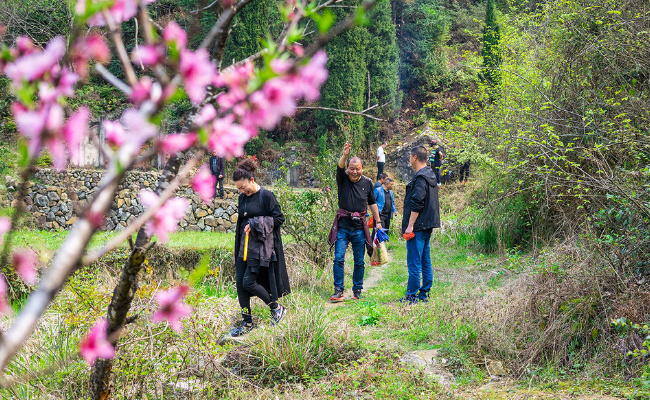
[{"x": 246, "y": 246}]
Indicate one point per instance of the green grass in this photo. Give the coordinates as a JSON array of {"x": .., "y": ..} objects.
[{"x": 52, "y": 240}]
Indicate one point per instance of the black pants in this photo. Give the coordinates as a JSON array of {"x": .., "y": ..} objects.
[
  {"x": 436, "y": 170},
  {"x": 385, "y": 222},
  {"x": 219, "y": 185},
  {"x": 248, "y": 287},
  {"x": 464, "y": 171},
  {"x": 380, "y": 168}
]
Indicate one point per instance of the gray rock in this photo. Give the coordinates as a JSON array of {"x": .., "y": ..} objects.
[
  {"x": 53, "y": 196},
  {"x": 41, "y": 200}
]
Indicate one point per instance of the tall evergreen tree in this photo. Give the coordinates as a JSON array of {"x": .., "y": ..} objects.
[{"x": 491, "y": 52}]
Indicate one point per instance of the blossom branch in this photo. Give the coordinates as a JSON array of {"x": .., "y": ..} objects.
[{"x": 133, "y": 227}]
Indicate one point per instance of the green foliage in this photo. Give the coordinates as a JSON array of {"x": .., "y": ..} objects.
[
  {"x": 258, "y": 21},
  {"x": 491, "y": 52},
  {"x": 40, "y": 20},
  {"x": 309, "y": 213},
  {"x": 423, "y": 30}
]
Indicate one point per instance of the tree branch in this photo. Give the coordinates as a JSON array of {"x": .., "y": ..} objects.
[
  {"x": 219, "y": 32},
  {"x": 362, "y": 113}
]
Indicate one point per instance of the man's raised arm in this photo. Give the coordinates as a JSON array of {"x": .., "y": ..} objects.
[{"x": 346, "y": 152}]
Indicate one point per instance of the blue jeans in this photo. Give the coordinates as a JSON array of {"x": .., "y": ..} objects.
[
  {"x": 358, "y": 240},
  {"x": 418, "y": 260}
]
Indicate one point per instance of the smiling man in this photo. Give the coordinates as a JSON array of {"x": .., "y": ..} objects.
[{"x": 355, "y": 194}]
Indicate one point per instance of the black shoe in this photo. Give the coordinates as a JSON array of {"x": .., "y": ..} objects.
[
  {"x": 409, "y": 299},
  {"x": 277, "y": 314},
  {"x": 241, "y": 329},
  {"x": 337, "y": 296},
  {"x": 423, "y": 297},
  {"x": 356, "y": 295}
]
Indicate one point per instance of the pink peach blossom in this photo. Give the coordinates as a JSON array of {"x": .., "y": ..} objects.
[
  {"x": 33, "y": 66},
  {"x": 120, "y": 11},
  {"x": 165, "y": 219},
  {"x": 92, "y": 47},
  {"x": 203, "y": 183},
  {"x": 75, "y": 131},
  {"x": 197, "y": 72},
  {"x": 5, "y": 225},
  {"x": 312, "y": 76},
  {"x": 96, "y": 345},
  {"x": 172, "y": 144},
  {"x": 139, "y": 128},
  {"x": 207, "y": 114},
  {"x": 30, "y": 124},
  {"x": 25, "y": 261},
  {"x": 142, "y": 90},
  {"x": 115, "y": 134},
  {"x": 67, "y": 82},
  {"x": 297, "y": 50},
  {"x": 147, "y": 55},
  {"x": 172, "y": 308},
  {"x": 5, "y": 307},
  {"x": 25, "y": 46},
  {"x": 173, "y": 33},
  {"x": 227, "y": 139}
]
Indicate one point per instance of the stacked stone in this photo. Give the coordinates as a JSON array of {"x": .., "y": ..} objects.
[{"x": 57, "y": 203}]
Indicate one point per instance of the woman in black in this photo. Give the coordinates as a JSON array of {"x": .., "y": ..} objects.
[{"x": 264, "y": 272}]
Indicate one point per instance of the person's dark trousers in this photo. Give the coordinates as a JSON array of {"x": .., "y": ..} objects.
[
  {"x": 418, "y": 261},
  {"x": 219, "y": 186},
  {"x": 380, "y": 168},
  {"x": 464, "y": 171},
  {"x": 358, "y": 240},
  {"x": 248, "y": 287},
  {"x": 436, "y": 170},
  {"x": 385, "y": 223}
]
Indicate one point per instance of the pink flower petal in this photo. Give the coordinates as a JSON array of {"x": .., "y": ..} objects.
[
  {"x": 25, "y": 261},
  {"x": 172, "y": 308},
  {"x": 96, "y": 345},
  {"x": 197, "y": 72},
  {"x": 115, "y": 134},
  {"x": 5, "y": 225},
  {"x": 147, "y": 55},
  {"x": 203, "y": 183},
  {"x": 75, "y": 131},
  {"x": 165, "y": 219},
  {"x": 5, "y": 308},
  {"x": 172, "y": 144},
  {"x": 175, "y": 34}
]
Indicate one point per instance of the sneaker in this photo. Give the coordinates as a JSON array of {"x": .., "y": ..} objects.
[
  {"x": 277, "y": 314},
  {"x": 423, "y": 297},
  {"x": 337, "y": 296},
  {"x": 409, "y": 299},
  {"x": 241, "y": 329},
  {"x": 356, "y": 295}
]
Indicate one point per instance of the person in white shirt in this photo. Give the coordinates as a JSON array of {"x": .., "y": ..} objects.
[{"x": 381, "y": 159}]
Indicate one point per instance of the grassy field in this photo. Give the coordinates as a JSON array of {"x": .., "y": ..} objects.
[{"x": 349, "y": 351}]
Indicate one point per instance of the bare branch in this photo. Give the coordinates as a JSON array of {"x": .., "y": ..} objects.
[
  {"x": 219, "y": 32},
  {"x": 115, "y": 32},
  {"x": 113, "y": 80},
  {"x": 204, "y": 8},
  {"x": 362, "y": 113}
]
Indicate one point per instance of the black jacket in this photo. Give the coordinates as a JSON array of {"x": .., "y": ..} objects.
[
  {"x": 422, "y": 197},
  {"x": 216, "y": 166}
]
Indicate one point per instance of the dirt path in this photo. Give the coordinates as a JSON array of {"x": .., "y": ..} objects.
[{"x": 374, "y": 277}]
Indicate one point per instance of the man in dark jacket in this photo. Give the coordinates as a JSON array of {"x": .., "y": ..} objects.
[
  {"x": 421, "y": 215},
  {"x": 217, "y": 167}
]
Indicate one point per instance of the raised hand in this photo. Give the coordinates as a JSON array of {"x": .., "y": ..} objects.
[{"x": 347, "y": 147}]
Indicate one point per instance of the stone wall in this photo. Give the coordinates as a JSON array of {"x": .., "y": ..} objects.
[{"x": 56, "y": 199}]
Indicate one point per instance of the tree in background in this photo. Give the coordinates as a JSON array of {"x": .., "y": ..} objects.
[{"x": 491, "y": 52}]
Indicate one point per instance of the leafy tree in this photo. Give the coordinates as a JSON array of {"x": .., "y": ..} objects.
[{"x": 491, "y": 52}]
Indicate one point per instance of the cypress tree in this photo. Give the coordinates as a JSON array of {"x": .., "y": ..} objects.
[{"x": 491, "y": 52}]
